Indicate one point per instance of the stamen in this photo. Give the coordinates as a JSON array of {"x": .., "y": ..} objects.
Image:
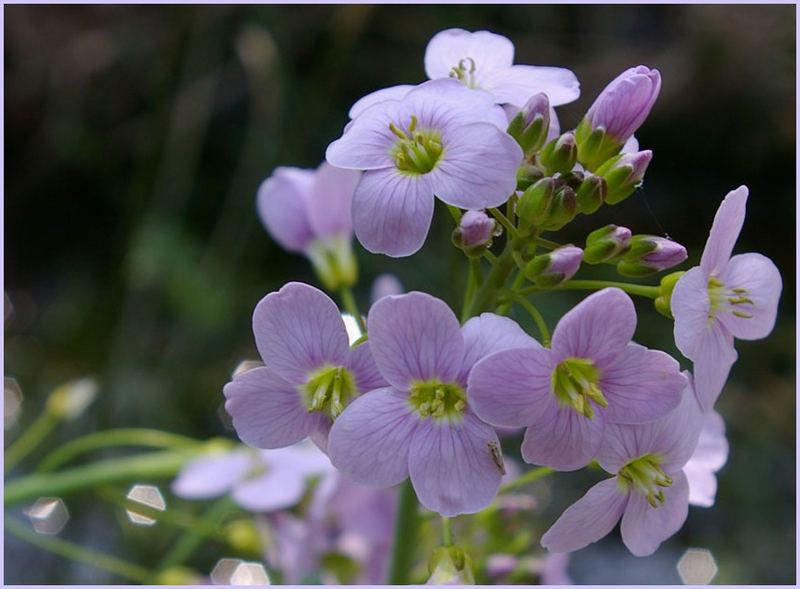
[
  {"x": 575, "y": 383},
  {"x": 645, "y": 475},
  {"x": 418, "y": 151},
  {"x": 439, "y": 400},
  {"x": 328, "y": 390},
  {"x": 724, "y": 300}
]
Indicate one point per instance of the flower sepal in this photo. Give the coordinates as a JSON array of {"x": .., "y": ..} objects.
[
  {"x": 560, "y": 154},
  {"x": 450, "y": 565},
  {"x": 650, "y": 254},
  {"x": 662, "y": 302},
  {"x": 595, "y": 146},
  {"x": 606, "y": 244},
  {"x": 530, "y": 125},
  {"x": 334, "y": 263}
]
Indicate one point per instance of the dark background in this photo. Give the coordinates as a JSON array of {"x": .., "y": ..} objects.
[{"x": 137, "y": 136}]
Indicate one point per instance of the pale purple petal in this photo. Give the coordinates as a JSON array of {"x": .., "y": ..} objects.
[
  {"x": 589, "y": 519},
  {"x": 645, "y": 527},
  {"x": 490, "y": 333},
  {"x": 330, "y": 199},
  {"x": 555, "y": 127},
  {"x": 554, "y": 570},
  {"x": 642, "y": 385},
  {"x": 759, "y": 276},
  {"x": 373, "y": 98},
  {"x": 712, "y": 364},
  {"x": 299, "y": 328},
  {"x": 509, "y": 387},
  {"x": 319, "y": 435},
  {"x": 446, "y": 49},
  {"x": 367, "y": 139},
  {"x": 598, "y": 328},
  {"x": 415, "y": 337},
  {"x": 561, "y": 438},
  {"x": 370, "y": 440},
  {"x": 631, "y": 145},
  {"x": 673, "y": 438},
  {"x": 451, "y": 466},
  {"x": 211, "y": 476},
  {"x": 709, "y": 456},
  {"x": 361, "y": 362},
  {"x": 282, "y": 205},
  {"x": 267, "y": 411},
  {"x": 304, "y": 458},
  {"x": 276, "y": 489},
  {"x": 392, "y": 212},
  {"x": 439, "y": 103},
  {"x": 724, "y": 232},
  {"x": 478, "y": 167},
  {"x": 516, "y": 84},
  {"x": 690, "y": 306}
]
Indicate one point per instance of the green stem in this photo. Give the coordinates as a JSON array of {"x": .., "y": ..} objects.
[
  {"x": 193, "y": 537},
  {"x": 405, "y": 535},
  {"x": 73, "y": 551},
  {"x": 116, "y": 437},
  {"x": 30, "y": 439},
  {"x": 474, "y": 280},
  {"x": 495, "y": 280},
  {"x": 447, "y": 532},
  {"x": 455, "y": 212},
  {"x": 133, "y": 468},
  {"x": 528, "y": 477},
  {"x": 551, "y": 245},
  {"x": 651, "y": 292},
  {"x": 503, "y": 308},
  {"x": 508, "y": 225},
  {"x": 531, "y": 309},
  {"x": 349, "y": 302}
]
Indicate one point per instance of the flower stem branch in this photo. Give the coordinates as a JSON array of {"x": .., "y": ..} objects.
[
  {"x": 531, "y": 309},
  {"x": 507, "y": 225},
  {"x": 30, "y": 439},
  {"x": 405, "y": 535},
  {"x": 447, "y": 532},
  {"x": 528, "y": 477},
  {"x": 651, "y": 292},
  {"x": 115, "y": 437},
  {"x": 349, "y": 303},
  {"x": 67, "y": 549}
]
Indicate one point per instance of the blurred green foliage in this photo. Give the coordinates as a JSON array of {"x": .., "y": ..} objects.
[{"x": 136, "y": 138}]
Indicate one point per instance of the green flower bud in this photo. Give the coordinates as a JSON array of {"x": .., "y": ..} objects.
[
  {"x": 529, "y": 127},
  {"x": 624, "y": 174},
  {"x": 534, "y": 205},
  {"x": 595, "y": 147},
  {"x": 554, "y": 267},
  {"x": 662, "y": 302},
  {"x": 450, "y": 565},
  {"x": 650, "y": 254},
  {"x": 528, "y": 175},
  {"x": 606, "y": 244},
  {"x": 334, "y": 262},
  {"x": 564, "y": 209},
  {"x": 560, "y": 154},
  {"x": 591, "y": 194}
]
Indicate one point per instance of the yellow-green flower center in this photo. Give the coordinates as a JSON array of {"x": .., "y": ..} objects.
[
  {"x": 417, "y": 150},
  {"x": 464, "y": 72},
  {"x": 645, "y": 475},
  {"x": 328, "y": 390},
  {"x": 433, "y": 398},
  {"x": 576, "y": 383},
  {"x": 722, "y": 299}
]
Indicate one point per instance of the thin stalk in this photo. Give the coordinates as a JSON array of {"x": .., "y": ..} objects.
[
  {"x": 405, "y": 536},
  {"x": 455, "y": 212},
  {"x": 528, "y": 477},
  {"x": 30, "y": 439},
  {"x": 349, "y": 302},
  {"x": 551, "y": 245},
  {"x": 116, "y": 437},
  {"x": 193, "y": 537},
  {"x": 504, "y": 221},
  {"x": 643, "y": 290},
  {"x": 447, "y": 532},
  {"x": 531, "y": 309},
  {"x": 504, "y": 307},
  {"x": 494, "y": 281},
  {"x": 114, "y": 470},
  {"x": 474, "y": 280},
  {"x": 72, "y": 551}
]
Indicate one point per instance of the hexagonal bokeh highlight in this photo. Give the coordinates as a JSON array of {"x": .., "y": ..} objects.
[
  {"x": 149, "y": 496},
  {"x": 223, "y": 571},
  {"x": 250, "y": 573},
  {"x": 697, "y": 566},
  {"x": 48, "y": 515}
]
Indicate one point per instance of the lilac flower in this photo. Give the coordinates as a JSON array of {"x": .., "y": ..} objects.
[
  {"x": 649, "y": 492},
  {"x": 422, "y": 425},
  {"x": 440, "y": 139},
  {"x": 310, "y": 372},
  {"x": 710, "y": 456},
  {"x": 649, "y": 254},
  {"x": 723, "y": 298},
  {"x": 265, "y": 480},
  {"x": 624, "y": 104},
  {"x": 592, "y": 375},
  {"x": 483, "y": 60},
  {"x": 308, "y": 212}
]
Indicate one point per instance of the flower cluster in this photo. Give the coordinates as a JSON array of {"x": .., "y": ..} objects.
[{"x": 422, "y": 394}]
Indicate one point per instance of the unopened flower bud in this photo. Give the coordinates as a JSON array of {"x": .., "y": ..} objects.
[
  {"x": 334, "y": 262},
  {"x": 650, "y": 254},
  {"x": 606, "y": 243},
  {"x": 533, "y": 207},
  {"x": 554, "y": 267},
  {"x": 450, "y": 565},
  {"x": 564, "y": 209},
  {"x": 530, "y": 125},
  {"x": 528, "y": 175},
  {"x": 475, "y": 232},
  {"x": 70, "y": 400},
  {"x": 616, "y": 114},
  {"x": 242, "y": 535},
  {"x": 624, "y": 174},
  {"x": 662, "y": 302},
  {"x": 591, "y": 194},
  {"x": 560, "y": 154}
]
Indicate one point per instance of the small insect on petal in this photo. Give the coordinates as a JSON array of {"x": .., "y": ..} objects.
[{"x": 497, "y": 457}]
